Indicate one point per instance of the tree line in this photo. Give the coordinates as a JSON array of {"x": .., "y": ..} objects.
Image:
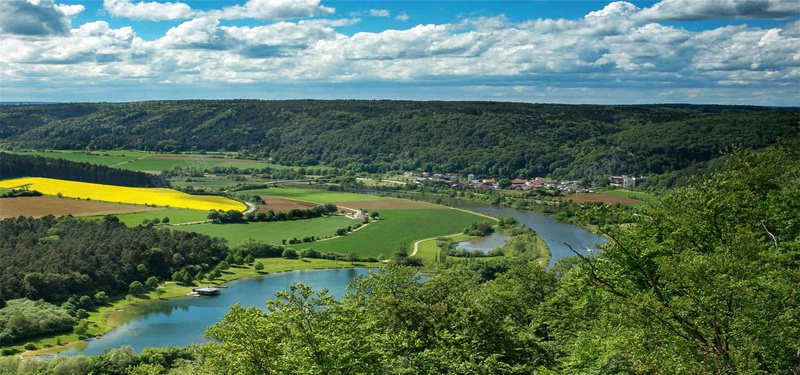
[{"x": 14, "y": 165}]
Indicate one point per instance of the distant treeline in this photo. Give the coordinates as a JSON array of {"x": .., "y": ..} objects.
[
  {"x": 484, "y": 138},
  {"x": 55, "y": 259},
  {"x": 13, "y": 165}
]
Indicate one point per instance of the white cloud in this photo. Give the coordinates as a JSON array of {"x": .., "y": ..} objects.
[
  {"x": 148, "y": 11},
  {"x": 36, "y": 17},
  {"x": 605, "y": 49},
  {"x": 273, "y": 10},
  {"x": 380, "y": 13},
  {"x": 402, "y": 17},
  {"x": 698, "y": 10}
]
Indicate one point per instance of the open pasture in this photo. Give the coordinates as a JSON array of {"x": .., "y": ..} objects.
[
  {"x": 272, "y": 231},
  {"x": 316, "y": 196},
  {"x": 281, "y": 204},
  {"x": 42, "y": 206},
  {"x": 175, "y": 215},
  {"x": 120, "y": 194},
  {"x": 95, "y": 157},
  {"x": 396, "y": 227},
  {"x": 635, "y": 195},
  {"x": 599, "y": 197}
]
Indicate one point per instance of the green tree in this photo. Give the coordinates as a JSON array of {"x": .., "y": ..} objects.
[
  {"x": 136, "y": 288},
  {"x": 100, "y": 298},
  {"x": 709, "y": 275},
  {"x": 151, "y": 283},
  {"x": 289, "y": 254},
  {"x": 249, "y": 259},
  {"x": 352, "y": 257},
  {"x": 258, "y": 266}
]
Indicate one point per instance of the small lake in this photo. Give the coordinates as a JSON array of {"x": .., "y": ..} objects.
[
  {"x": 485, "y": 243},
  {"x": 182, "y": 321}
]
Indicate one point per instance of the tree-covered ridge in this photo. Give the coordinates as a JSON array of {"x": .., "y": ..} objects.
[
  {"x": 485, "y": 138},
  {"x": 13, "y": 165},
  {"x": 53, "y": 259}
]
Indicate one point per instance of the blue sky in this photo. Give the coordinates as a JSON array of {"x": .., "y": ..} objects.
[{"x": 691, "y": 51}]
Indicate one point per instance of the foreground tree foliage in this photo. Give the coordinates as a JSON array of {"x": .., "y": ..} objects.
[{"x": 708, "y": 281}]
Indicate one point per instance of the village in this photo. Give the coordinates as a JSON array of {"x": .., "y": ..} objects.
[{"x": 455, "y": 180}]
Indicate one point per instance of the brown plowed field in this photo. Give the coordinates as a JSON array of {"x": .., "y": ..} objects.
[
  {"x": 41, "y": 206},
  {"x": 599, "y": 197},
  {"x": 386, "y": 204},
  {"x": 199, "y": 158},
  {"x": 281, "y": 204}
]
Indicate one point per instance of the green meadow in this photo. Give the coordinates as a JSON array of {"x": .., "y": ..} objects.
[
  {"x": 271, "y": 232},
  {"x": 396, "y": 227},
  {"x": 318, "y": 196},
  {"x": 99, "y": 157}
]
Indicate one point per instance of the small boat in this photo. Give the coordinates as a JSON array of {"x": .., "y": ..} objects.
[{"x": 207, "y": 291}]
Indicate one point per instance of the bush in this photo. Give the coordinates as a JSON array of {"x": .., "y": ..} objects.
[
  {"x": 136, "y": 288},
  {"x": 30, "y": 346},
  {"x": 258, "y": 266},
  {"x": 100, "y": 298},
  {"x": 289, "y": 254}
]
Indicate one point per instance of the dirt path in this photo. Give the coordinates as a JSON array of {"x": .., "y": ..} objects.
[{"x": 416, "y": 244}]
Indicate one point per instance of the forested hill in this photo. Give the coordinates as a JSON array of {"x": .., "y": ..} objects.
[{"x": 485, "y": 138}]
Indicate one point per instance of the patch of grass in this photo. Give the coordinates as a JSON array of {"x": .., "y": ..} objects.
[
  {"x": 206, "y": 184},
  {"x": 647, "y": 198},
  {"x": 164, "y": 164},
  {"x": 318, "y": 196},
  {"x": 176, "y": 216},
  {"x": 395, "y": 227},
  {"x": 274, "y": 231}
]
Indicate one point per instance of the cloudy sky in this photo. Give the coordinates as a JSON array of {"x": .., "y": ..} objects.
[{"x": 691, "y": 51}]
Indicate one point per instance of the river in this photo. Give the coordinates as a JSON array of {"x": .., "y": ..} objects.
[{"x": 182, "y": 321}]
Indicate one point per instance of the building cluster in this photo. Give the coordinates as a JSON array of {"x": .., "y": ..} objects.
[{"x": 455, "y": 181}]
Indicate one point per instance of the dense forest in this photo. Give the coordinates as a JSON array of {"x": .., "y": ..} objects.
[
  {"x": 484, "y": 138},
  {"x": 56, "y": 258},
  {"x": 706, "y": 283},
  {"x": 13, "y": 165}
]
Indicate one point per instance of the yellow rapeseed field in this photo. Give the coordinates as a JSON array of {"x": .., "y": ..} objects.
[{"x": 110, "y": 193}]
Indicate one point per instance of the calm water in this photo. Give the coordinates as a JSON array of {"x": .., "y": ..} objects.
[
  {"x": 485, "y": 243},
  {"x": 179, "y": 322}
]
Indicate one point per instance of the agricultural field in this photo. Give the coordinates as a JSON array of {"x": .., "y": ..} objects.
[
  {"x": 388, "y": 204},
  {"x": 317, "y": 196},
  {"x": 119, "y": 194},
  {"x": 175, "y": 215},
  {"x": 273, "y": 231},
  {"x": 41, "y": 206},
  {"x": 395, "y": 227}
]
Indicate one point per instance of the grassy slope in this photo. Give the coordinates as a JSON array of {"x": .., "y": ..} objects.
[
  {"x": 206, "y": 184},
  {"x": 647, "y": 198},
  {"x": 164, "y": 164},
  {"x": 319, "y": 196},
  {"x": 398, "y": 226},
  {"x": 176, "y": 215},
  {"x": 98, "y": 319},
  {"x": 98, "y": 158},
  {"x": 271, "y": 232}
]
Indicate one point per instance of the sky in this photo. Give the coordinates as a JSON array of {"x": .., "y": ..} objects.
[{"x": 559, "y": 51}]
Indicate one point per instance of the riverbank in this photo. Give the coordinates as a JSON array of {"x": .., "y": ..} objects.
[{"x": 101, "y": 320}]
